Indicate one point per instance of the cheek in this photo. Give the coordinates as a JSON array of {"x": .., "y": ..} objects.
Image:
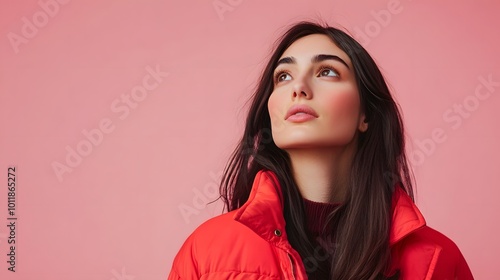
[
  {"x": 343, "y": 107},
  {"x": 273, "y": 106},
  {"x": 276, "y": 113}
]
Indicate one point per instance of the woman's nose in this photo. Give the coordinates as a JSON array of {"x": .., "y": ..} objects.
[{"x": 301, "y": 89}]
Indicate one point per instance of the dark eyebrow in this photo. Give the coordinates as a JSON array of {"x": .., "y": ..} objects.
[{"x": 315, "y": 59}]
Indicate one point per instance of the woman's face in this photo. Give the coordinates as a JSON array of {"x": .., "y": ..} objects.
[{"x": 315, "y": 101}]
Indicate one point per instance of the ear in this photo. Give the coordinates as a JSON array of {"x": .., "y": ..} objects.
[{"x": 363, "y": 123}]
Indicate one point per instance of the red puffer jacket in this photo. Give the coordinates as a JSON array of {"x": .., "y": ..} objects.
[{"x": 251, "y": 243}]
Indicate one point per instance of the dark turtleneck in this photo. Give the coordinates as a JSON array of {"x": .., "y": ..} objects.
[{"x": 316, "y": 214}]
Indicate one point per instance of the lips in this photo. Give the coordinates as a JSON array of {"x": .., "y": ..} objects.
[{"x": 300, "y": 112}]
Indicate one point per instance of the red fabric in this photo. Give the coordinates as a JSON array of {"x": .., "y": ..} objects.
[{"x": 251, "y": 243}]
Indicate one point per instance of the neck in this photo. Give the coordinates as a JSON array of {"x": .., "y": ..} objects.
[{"x": 322, "y": 174}]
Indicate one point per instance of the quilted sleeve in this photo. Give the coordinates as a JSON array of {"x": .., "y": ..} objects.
[
  {"x": 184, "y": 266},
  {"x": 173, "y": 275},
  {"x": 428, "y": 254}
]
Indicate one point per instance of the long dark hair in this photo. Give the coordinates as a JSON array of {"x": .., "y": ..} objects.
[{"x": 362, "y": 222}]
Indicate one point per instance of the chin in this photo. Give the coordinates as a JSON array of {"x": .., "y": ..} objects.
[
  {"x": 311, "y": 143},
  {"x": 303, "y": 144}
]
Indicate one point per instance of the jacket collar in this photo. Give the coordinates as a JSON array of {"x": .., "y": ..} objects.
[
  {"x": 406, "y": 218},
  {"x": 263, "y": 211}
]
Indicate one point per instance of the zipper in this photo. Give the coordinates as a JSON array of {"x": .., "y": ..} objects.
[{"x": 291, "y": 263}]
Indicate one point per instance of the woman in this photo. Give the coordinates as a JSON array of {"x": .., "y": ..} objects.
[{"x": 319, "y": 186}]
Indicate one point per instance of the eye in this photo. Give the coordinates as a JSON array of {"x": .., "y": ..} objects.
[
  {"x": 281, "y": 76},
  {"x": 328, "y": 71}
]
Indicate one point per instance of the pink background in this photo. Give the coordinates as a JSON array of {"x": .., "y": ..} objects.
[{"x": 117, "y": 214}]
